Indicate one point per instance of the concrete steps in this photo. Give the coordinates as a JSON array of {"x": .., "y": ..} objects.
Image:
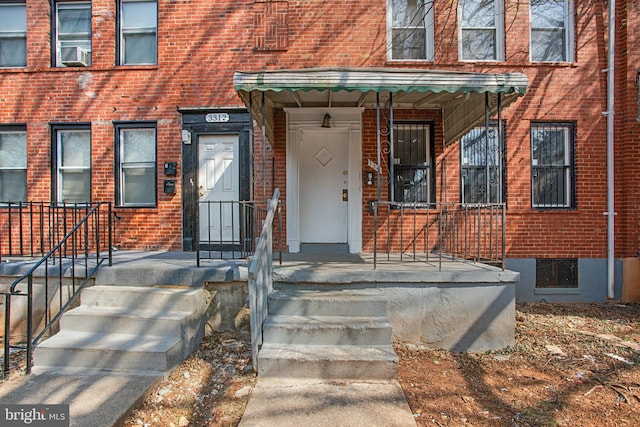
[
  {"x": 124, "y": 328},
  {"x": 333, "y": 334}
]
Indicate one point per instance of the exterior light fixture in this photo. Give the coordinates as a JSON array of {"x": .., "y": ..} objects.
[{"x": 326, "y": 121}]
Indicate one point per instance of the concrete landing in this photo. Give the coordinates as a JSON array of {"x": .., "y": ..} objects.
[
  {"x": 94, "y": 400},
  {"x": 296, "y": 402}
]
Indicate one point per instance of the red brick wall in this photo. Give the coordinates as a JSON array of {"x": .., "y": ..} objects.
[
  {"x": 202, "y": 43},
  {"x": 627, "y": 125}
]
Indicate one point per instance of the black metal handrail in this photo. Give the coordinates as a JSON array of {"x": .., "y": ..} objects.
[
  {"x": 73, "y": 260},
  {"x": 237, "y": 226},
  {"x": 440, "y": 232}
]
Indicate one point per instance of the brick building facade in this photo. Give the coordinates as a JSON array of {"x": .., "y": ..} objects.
[{"x": 136, "y": 85}]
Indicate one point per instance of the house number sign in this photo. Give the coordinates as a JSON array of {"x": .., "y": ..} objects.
[{"x": 217, "y": 117}]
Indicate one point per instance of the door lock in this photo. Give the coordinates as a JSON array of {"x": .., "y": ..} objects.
[{"x": 345, "y": 195}]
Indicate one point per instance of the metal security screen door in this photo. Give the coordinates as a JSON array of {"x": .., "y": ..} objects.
[{"x": 218, "y": 182}]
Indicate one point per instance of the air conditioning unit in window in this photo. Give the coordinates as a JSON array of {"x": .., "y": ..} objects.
[{"x": 75, "y": 56}]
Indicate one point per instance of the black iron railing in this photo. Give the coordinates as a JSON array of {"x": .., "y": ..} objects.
[
  {"x": 230, "y": 229},
  {"x": 441, "y": 232},
  {"x": 53, "y": 283}
]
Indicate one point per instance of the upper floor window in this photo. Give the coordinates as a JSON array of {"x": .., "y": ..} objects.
[
  {"x": 13, "y": 34},
  {"x": 410, "y": 29},
  {"x": 138, "y": 27},
  {"x": 72, "y": 163},
  {"x": 411, "y": 171},
  {"x": 136, "y": 164},
  {"x": 552, "y": 180},
  {"x": 551, "y": 30},
  {"x": 481, "y": 160},
  {"x": 13, "y": 164},
  {"x": 73, "y": 34},
  {"x": 481, "y": 27}
]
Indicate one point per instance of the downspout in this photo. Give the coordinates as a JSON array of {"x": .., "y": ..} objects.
[{"x": 610, "y": 154}]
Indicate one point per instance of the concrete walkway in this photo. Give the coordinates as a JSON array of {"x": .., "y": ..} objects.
[
  {"x": 94, "y": 400},
  {"x": 305, "y": 402}
]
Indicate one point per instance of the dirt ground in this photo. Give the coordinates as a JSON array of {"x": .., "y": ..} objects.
[{"x": 571, "y": 365}]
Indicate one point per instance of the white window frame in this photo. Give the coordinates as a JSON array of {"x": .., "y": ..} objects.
[
  {"x": 61, "y": 169},
  {"x": 569, "y": 34},
  {"x": 121, "y": 165},
  {"x": 568, "y": 130},
  {"x": 497, "y": 143},
  {"x": 429, "y": 33},
  {"x": 16, "y": 168},
  {"x": 132, "y": 31},
  {"x": 15, "y": 34},
  {"x": 81, "y": 40},
  {"x": 498, "y": 29}
]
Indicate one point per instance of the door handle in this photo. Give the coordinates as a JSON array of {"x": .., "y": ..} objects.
[{"x": 345, "y": 195}]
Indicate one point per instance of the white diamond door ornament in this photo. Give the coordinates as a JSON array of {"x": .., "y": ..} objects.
[{"x": 324, "y": 156}]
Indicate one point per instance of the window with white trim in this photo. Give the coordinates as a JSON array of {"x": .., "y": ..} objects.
[
  {"x": 551, "y": 30},
  {"x": 411, "y": 171},
  {"x": 481, "y": 161},
  {"x": 13, "y": 34},
  {"x": 136, "y": 164},
  {"x": 138, "y": 32},
  {"x": 73, "y": 34},
  {"x": 13, "y": 164},
  {"x": 410, "y": 30},
  {"x": 481, "y": 30},
  {"x": 72, "y": 163},
  {"x": 552, "y": 159}
]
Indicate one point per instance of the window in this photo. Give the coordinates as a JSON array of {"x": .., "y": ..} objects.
[
  {"x": 481, "y": 160},
  {"x": 138, "y": 43},
  {"x": 136, "y": 164},
  {"x": 73, "y": 34},
  {"x": 13, "y": 164},
  {"x": 410, "y": 29},
  {"x": 411, "y": 166},
  {"x": 552, "y": 165},
  {"x": 13, "y": 34},
  {"x": 481, "y": 35},
  {"x": 556, "y": 273},
  {"x": 72, "y": 160},
  {"x": 551, "y": 30}
]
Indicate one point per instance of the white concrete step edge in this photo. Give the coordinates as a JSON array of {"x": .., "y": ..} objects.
[{"x": 123, "y": 328}]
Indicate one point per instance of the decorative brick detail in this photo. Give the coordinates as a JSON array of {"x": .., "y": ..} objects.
[{"x": 271, "y": 25}]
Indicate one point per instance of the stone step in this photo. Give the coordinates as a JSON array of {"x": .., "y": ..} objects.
[
  {"x": 359, "y": 303},
  {"x": 121, "y": 320},
  {"x": 162, "y": 299},
  {"x": 108, "y": 352},
  {"x": 328, "y": 362},
  {"x": 124, "y": 328},
  {"x": 327, "y": 330}
]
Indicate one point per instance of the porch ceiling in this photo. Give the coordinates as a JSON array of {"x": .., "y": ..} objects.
[{"x": 460, "y": 96}]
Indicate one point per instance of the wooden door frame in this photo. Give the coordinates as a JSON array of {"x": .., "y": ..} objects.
[
  {"x": 194, "y": 125},
  {"x": 348, "y": 120}
]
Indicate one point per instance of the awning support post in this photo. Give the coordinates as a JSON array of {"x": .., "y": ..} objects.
[
  {"x": 378, "y": 175},
  {"x": 487, "y": 177}
]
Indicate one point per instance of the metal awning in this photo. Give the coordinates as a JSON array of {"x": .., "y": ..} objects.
[{"x": 459, "y": 95}]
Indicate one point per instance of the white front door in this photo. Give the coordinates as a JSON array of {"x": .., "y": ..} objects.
[
  {"x": 218, "y": 182},
  {"x": 323, "y": 175}
]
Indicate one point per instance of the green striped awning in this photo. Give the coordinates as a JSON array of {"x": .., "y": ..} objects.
[{"x": 460, "y": 95}]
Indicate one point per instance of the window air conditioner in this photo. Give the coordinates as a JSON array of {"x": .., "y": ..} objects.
[{"x": 75, "y": 56}]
